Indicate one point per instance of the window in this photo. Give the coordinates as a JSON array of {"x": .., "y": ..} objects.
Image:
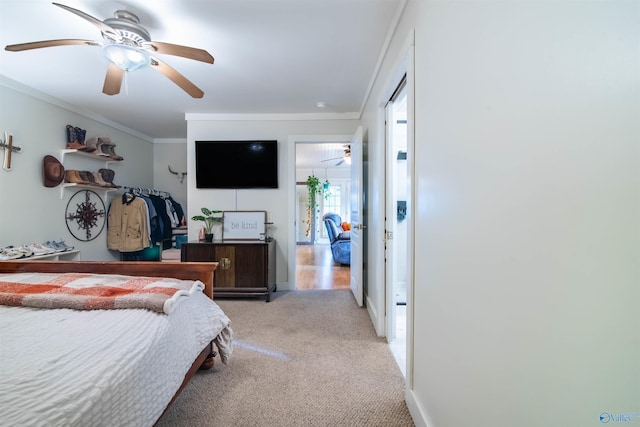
[{"x": 332, "y": 203}]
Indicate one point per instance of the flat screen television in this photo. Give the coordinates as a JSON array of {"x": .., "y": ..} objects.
[{"x": 237, "y": 164}]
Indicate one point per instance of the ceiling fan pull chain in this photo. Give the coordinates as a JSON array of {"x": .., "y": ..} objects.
[{"x": 126, "y": 83}]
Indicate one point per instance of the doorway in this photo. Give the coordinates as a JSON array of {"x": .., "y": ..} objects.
[
  {"x": 397, "y": 195},
  {"x": 322, "y": 173}
]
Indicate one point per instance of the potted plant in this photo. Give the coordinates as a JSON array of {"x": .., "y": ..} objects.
[{"x": 209, "y": 218}]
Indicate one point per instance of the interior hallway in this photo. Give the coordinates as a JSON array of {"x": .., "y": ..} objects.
[{"x": 315, "y": 269}]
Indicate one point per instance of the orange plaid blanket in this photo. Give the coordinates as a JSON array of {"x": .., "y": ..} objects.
[{"x": 85, "y": 291}]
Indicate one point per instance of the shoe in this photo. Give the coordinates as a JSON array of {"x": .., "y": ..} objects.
[
  {"x": 75, "y": 138},
  {"x": 64, "y": 246},
  {"x": 74, "y": 176},
  {"x": 87, "y": 177},
  {"x": 24, "y": 250},
  {"x": 97, "y": 176},
  {"x": 71, "y": 134},
  {"x": 108, "y": 175},
  {"x": 10, "y": 253},
  {"x": 104, "y": 147},
  {"x": 92, "y": 144},
  {"x": 111, "y": 149},
  {"x": 38, "y": 249},
  {"x": 53, "y": 246},
  {"x": 75, "y": 145},
  {"x": 81, "y": 134}
]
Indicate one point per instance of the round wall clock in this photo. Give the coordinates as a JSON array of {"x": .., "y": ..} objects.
[{"x": 85, "y": 215}]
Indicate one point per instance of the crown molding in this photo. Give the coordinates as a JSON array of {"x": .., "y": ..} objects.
[
  {"x": 170, "y": 141},
  {"x": 272, "y": 117},
  {"x": 19, "y": 87}
]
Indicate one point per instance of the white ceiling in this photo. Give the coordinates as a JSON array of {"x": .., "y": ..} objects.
[
  {"x": 321, "y": 156},
  {"x": 271, "y": 56}
]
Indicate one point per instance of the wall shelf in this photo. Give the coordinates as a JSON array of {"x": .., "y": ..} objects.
[
  {"x": 103, "y": 191},
  {"x": 56, "y": 256},
  {"x": 107, "y": 160}
]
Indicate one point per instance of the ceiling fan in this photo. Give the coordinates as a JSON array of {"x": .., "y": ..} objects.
[
  {"x": 344, "y": 158},
  {"x": 128, "y": 47}
]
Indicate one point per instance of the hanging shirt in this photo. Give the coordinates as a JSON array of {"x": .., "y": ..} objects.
[{"x": 171, "y": 212}]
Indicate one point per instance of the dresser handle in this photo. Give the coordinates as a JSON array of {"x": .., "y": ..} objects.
[{"x": 225, "y": 263}]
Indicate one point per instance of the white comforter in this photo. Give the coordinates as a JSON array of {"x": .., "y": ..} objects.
[{"x": 65, "y": 367}]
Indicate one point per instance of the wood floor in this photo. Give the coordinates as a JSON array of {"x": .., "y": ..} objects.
[{"x": 315, "y": 269}]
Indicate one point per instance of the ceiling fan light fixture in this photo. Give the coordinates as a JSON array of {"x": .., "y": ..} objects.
[
  {"x": 128, "y": 47},
  {"x": 127, "y": 58}
]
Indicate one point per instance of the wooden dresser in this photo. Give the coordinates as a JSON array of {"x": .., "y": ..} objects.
[{"x": 245, "y": 268}]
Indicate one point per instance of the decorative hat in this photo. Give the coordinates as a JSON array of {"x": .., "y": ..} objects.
[{"x": 53, "y": 171}]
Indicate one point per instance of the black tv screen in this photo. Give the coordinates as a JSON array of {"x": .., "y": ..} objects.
[{"x": 237, "y": 164}]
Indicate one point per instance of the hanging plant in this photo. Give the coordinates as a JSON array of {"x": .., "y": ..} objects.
[{"x": 316, "y": 187}]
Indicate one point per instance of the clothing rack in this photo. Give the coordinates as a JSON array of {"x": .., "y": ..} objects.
[
  {"x": 162, "y": 215},
  {"x": 147, "y": 191}
]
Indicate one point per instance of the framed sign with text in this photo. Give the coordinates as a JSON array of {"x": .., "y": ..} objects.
[{"x": 244, "y": 225}]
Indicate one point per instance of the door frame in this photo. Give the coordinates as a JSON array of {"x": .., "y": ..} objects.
[
  {"x": 292, "y": 141},
  {"x": 404, "y": 64}
]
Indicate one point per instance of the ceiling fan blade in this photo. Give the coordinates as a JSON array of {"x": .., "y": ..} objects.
[
  {"x": 333, "y": 158},
  {"x": 49, "y": 43},
  {"x": 113, "y": 80},
  {"x": 340, "y": 162},
  {"x": 177, "y": 78},
  {"x": 178, "y": 50},
  {"x": 106, "y": 29}
]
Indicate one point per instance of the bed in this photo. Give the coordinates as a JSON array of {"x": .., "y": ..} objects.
[{"x": 125, "y": 366}]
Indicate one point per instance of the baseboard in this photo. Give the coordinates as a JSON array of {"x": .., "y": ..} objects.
[
  {"x": 416, "y": 410},
  {"x": 378, "y": 324},
  {"x": 284, "y": 286}
]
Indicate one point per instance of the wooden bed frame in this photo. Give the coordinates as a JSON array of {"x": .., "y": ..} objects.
[{"x": 202, "y": 271}]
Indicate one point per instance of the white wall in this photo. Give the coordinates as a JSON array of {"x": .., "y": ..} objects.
[
  {"x": 33, "y": 213},
  {"x": 170, "y": 152},
  {"x": 274, "y": 201},
  {"x": 527, "y": 210}
]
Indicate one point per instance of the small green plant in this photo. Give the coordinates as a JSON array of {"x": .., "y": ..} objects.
[{"x": 210, "y": 218}]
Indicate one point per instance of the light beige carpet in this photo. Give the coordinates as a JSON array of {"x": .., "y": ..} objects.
[{"x": 307, "y": 358}]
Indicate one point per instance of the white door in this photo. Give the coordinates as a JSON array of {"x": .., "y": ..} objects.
[{"x": 357, "y": 228}]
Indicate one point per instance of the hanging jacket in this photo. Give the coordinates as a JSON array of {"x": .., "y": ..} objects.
[
  {"x": 127, "y": 227},
  {"x": 164, "y": 220}
]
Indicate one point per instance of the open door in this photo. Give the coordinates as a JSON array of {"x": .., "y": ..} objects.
[{"x": 357, "y": 228}]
